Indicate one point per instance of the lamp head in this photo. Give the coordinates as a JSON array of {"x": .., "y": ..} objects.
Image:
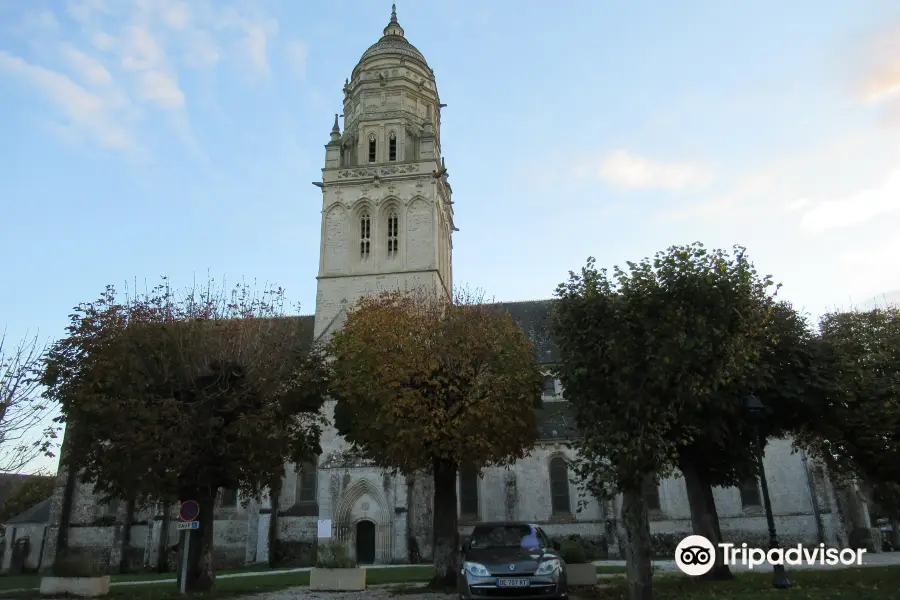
[{"x": 754, "y": 405}]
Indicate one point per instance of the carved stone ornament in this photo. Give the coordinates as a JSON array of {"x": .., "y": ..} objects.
[
  {"x": 381, "y": 171},
  {"x": 338, "y": 459}
]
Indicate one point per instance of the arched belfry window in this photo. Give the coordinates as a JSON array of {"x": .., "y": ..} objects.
[
  {"x": 365, "y": 234},
  {"x": 393, "y": 233},
  {"x": 559, "y": 486},
  {"x": 372, "y": 146},
  {"x": 305, "y": 486},
  {"x": 468, "y": 492},
  {"x": 392, "y": 147}
]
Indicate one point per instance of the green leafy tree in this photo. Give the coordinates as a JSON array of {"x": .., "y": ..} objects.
[
  {"x": 783, "y": 373},
  {"x": 30, "y": 492},
  {"x": 886, "y": 504},
  {"x": 174, "y": 397},
  {"x": 642, "y": 352},
  {"x": 426, "y": 385},
  {"x": 854, "y": 424}
]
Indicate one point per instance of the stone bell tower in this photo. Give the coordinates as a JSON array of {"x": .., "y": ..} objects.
[{"x": 387, "y": 217}]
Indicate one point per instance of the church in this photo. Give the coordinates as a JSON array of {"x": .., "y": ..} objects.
[{"x": 388, "y": 224}]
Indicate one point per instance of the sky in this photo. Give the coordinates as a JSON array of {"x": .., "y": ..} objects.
[{"x": 160, "y": 137}]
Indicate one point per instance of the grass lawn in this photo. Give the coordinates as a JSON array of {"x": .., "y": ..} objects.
[
  {"x": 869, "y": 583},
  {"x": 225, "y": 587},
  {"x": 259, "y": 582},
  {"x": 13, "y": 582}
]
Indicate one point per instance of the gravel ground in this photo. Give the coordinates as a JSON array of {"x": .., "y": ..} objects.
[{"x": 371, "y": 593}]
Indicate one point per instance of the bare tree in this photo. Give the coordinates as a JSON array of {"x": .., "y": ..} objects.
[{"x": 25, "y": 433}]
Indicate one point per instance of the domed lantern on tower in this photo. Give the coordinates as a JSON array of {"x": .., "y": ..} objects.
[{"x": 387, "y": 209}]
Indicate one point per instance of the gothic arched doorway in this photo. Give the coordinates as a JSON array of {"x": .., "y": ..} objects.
[{"x": 365, "y": 542}]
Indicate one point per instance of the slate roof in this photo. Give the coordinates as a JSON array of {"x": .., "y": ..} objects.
[
  {"x": 555, "y": 419},
  {"x": 534, "y": 317},
  {"x": 39, "y": 513}
]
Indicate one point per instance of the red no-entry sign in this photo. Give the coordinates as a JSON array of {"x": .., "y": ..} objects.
[{"x": 190, "y": 510}]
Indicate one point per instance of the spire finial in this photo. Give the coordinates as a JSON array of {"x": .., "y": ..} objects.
[
  {"x": 336, "y": 128},
  {"x": 393, "y": 28}
]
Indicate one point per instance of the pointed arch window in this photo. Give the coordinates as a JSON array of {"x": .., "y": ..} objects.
[
  {"x": 393, "y": 233},
  {"x": 750, "y": 493},
  {"x": 559, "y": 486},
  {"x": 306, "y": 483},
  {"x": 229, "y": 497},
  {"x": 468, "y": 492},
  {"x": 372, "y": 147},
  {"x": 112, "y": 507},
  {"x": 365, "y": 234},
  {"x": 392, "y": 147}
]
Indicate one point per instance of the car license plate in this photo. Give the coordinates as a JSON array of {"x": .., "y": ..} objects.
[{"x": 507, "y": 582}]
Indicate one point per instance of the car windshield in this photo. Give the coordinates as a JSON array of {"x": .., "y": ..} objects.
[{"x": 505, "y": 536}]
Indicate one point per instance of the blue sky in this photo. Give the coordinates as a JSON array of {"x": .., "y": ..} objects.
[{"x": 150, "y": 137}]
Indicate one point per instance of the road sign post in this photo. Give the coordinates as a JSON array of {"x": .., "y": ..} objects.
[{"x": 188, "y": 513}]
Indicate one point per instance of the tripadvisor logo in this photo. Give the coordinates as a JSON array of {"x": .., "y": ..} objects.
[{"x": 695, "y": 555}]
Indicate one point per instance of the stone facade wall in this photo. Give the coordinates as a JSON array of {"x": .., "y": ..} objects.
[
  {"x": 350, "y": 491},
  {"x": 34, "y": 533}
]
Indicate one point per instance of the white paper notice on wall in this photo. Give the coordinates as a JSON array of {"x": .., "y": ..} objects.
[{"x": 324, "y": 528}]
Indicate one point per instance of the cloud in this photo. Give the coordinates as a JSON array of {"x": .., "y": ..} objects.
[
  {"x": 253, "y": 45},
  {"x": 873, "y": 268},
  {"x": 624, "y": 169},
  {"x": 91, "y": 70},
  {"x": 103, "y": 41},
  {"x": 88, "y": 113},
  {"x": 161, "y": 89},
  {"x": 141, "y": 50},
  {"x": 748, "y": 192},
  {"x": 881, "y": 74},
  {"x": 176, "y": 15},
  {"x": 297, "y": 53},
  {"x": 156, "y": 81},
  {"x": 43, "y": 20},
  {"x": 85, "y": 10},
  {"x": 201, "y": 50},
  {"x": 797, "y": 205},
  {"x": 855, "y": 209}
]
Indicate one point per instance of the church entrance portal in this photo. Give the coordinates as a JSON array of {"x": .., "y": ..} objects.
[{"x": 365, "y": 542}]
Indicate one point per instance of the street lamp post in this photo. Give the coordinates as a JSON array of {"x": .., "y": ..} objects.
[{"x": 756, "y": 409}]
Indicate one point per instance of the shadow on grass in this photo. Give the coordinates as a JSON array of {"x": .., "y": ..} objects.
[{"x": 869, "y": 583}]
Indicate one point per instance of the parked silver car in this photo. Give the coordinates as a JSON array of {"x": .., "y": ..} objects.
[{"x": 511, "y": 560}]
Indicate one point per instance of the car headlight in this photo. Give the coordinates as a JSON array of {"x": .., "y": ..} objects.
[
  {"x": 547, "y": 567},
  {"x": 476, "y": 570}
]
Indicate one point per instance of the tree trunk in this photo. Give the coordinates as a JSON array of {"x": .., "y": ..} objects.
[
  {"x": 639, "y": 569},
  {"x": 65, "y": 515},
  {"x": 274, "y": 550},
  {"x": 713, "y": 510},
  {"x": 162, "y": 554},
  {"x": 444, "y": 525},
  {"x": 201, "y": 575},
  {"x": 704, "y": 519},
  {"x": 126, "y": 536}
]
